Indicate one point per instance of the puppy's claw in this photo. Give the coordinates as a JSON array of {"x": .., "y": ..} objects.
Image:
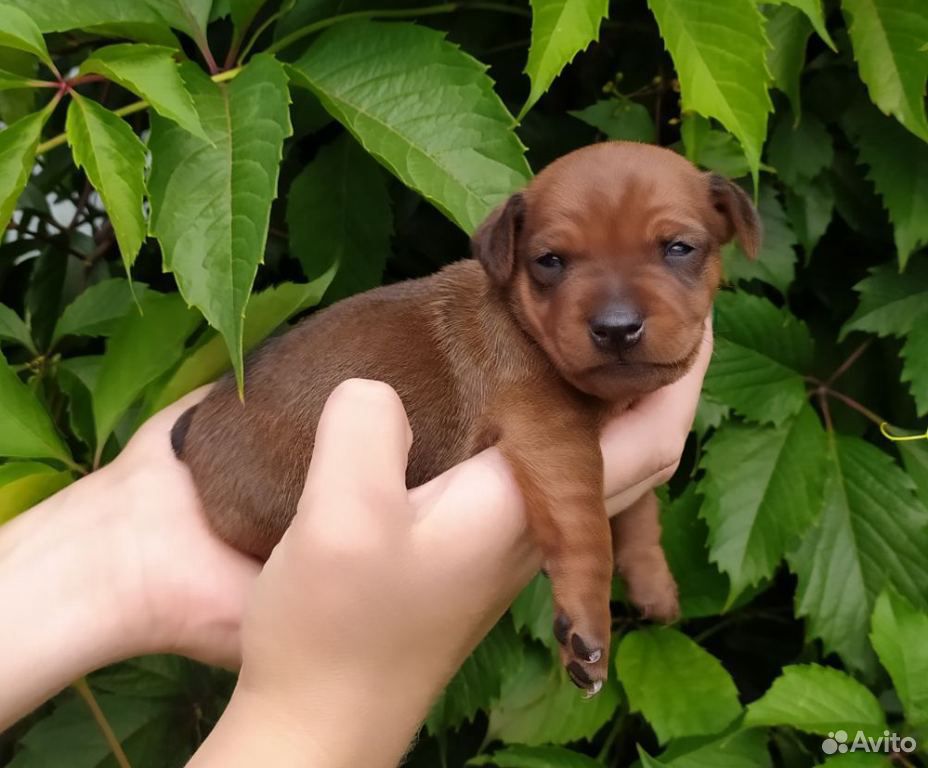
[
  {"x": 593, "y": 689},
  {"x": 595, "y": 656},
  {"x": 579, "y": 677}
]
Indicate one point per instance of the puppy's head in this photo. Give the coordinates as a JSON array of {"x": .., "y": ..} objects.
[{"x": 610, "y": 259}]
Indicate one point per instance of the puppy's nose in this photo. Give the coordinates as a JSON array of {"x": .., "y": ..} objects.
[{"x": 617, "y": 328}]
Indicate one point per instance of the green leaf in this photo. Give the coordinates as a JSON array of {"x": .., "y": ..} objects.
[
  {"x": 477, "y": 684},
  {"x": 738, "y": 749},
  {"x": 115, "y": 18},
  {"x": 762, "y": 491},
  {"x": 16, "y": 104},
  {"x": 427, "y": 111},
  {"x": 539, "y": 705},
  {"x": 18, "y": 143},
  {"x": 26, "y": 429},
  {"x": 898, "y": 166},
  {"x": 809, "y": 206},
  {"x": 520, "y": 756},
  {"x": 620, "y": 119},
  {"x": 898, "y": 633},
  {"x": 244, "y": 12},
  {"x": 560, "y": 30},
  {"x": 760, "y": 354},
  {"x": 21, "y": 33},
  {"x": 800, "y": 151},
  {"x": 77, "y": 379},
  {"x": 709, "y": 415},
  {"x": 12, "y": 328},
  {"x": 814, "y": 12},
  {"x": 871, "y": 535},
  {"x": 789, "y": 31},
  {"x": 98, "y": 310},
  {"x": 152, "y": 73},
  {"x": 859, "y": 760},
  {"x": 817, "y": 700},
  {"x": 719, "y": 77},
  {"x": 703, "y": 589},
  {"x": 915, "y": 459},
  {"x": 891, "y": 303},
  {"x": 23, "y": 484},
  {"x": 346, "y": 224},
  {"x": 144, "y": 347},
  {"x": 716, "y": 150},
  {"x": 114, "y": 160},
  {"x": 190, "y": 16},
  {"x": 11, "y": 81},
  {"x": 211, "y": 204},
  {"x": 915, "y": 367},
  {"x": 266, "y": 311},
  {"x": 886, "y": 36},
  {"x": 776, "y": 260},
  {"x": 681, "y": 689}
]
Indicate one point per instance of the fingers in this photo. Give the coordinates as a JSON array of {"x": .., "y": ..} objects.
[
  {"x": 646, "y": 441},
  {"x": 362, "y": 446}
]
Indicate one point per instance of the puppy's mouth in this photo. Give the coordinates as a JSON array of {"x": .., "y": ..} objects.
[{"x": 622, "y": 365}]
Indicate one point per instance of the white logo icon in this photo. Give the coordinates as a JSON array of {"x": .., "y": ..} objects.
[{"x": 888, "y": 743}]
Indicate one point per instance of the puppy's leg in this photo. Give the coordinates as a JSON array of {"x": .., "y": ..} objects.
[
  {"x": 559, "y": 470},
  {"x": 640, "y": 560}
]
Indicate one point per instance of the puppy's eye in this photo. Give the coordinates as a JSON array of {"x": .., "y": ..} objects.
[
  {"x": 550, "y": 261},
  {"x": 678, "y": 249}
]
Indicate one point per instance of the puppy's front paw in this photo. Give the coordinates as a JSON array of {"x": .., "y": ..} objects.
[{"x": 584, "y": 651}]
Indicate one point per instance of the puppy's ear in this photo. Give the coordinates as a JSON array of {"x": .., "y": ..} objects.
[
  {"x": 494, "y": 242},
  {"x": 738, "y": 212}
]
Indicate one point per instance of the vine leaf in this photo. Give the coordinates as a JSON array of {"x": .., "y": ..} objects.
[
  {"x": 872, "y": 534},
  {"x": 151, "y": 72},
  {"x": 113, "y": 157},
  {"x": 427, "y": 111},
  {"x": 21, "y": 33},
  {"x": 915, "y": 365},
  {"x": 886, "y": 36},
  {"x": 789, "y": 31},
  {"x": 18, "y": 143},
  {"x": 189, "y": 16},
  {"x": 721, "y": 78},
  {"x": 23, "y": 484},
  {"x": 114, "y": 18},
  {"x": 211, "y": 202},
  {"x": 814, "y": 12},
  {"x": 819, "y": 700},
  {"x": 762, "y": 490},
  {"x": 680, "y": 688},
  {"x": 340, "y": 215},
  {"x": 560, "y": 30},
  {"x": 12, "y": 328},
  {"x": 891, "y": 303},
  {"x": 898, "y": 633},
  {"x": 98, "y": 310}
]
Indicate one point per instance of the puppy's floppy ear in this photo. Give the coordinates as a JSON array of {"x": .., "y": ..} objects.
[
  {"x": 738, "y": 212},
  {"x": 494, "y": 242}
]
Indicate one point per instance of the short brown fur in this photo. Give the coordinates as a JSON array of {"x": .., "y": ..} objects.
[{"x": 516, "y": 348}]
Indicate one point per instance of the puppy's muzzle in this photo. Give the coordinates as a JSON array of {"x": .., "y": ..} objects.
[{"x": 617, "y": 328}]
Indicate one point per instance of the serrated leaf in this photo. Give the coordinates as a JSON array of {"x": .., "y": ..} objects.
[
  {"x": 18, "y": 143},
  {"x": 77, "y": 379},
  {"x": 788, "y": 30},
  {"x": 12, "y": 328},
  {"x": 736, "y": 749},
  {"x": 759, "y": 356},
  {"x": 709, "y": 415},
  {"x": 560, "y": 30},
  {"x": 21, "y": 33},
  {"x": 346, "y": 225},
  {"x": 115, "y": 18},
  {"x": 709, "y": 148},
  {"x": 539, "y": 705},
  {"x": 719, "y": 79},
  {"x": 98, "y": 310},
  {"x": 681, "y": 689},
  {"x": 620, "y": 119},
  {"x": 898, "y": 167},
  {"x": 915, "y": 459},
  {"x": 762, "y": 490},
  {"x": 891, "y": 303},
  {"x": 809, "y": 206},
  {"x": 211, "y": 204},
  {"x": 817, "y": 700},
  {"x": 915, "y": 368},
  {"x": 144, "y": 347},
  {"x": 26, "y": 429},
  {"x": 814, "y": 12},
  {"x": 776, "y": 260},
  {"x": 113, "y": 157},
  {"x": 152, "y": 73},
  {"x": 703, "y": 589},
  {"x": 23, "y": 484},
  {"x": 533, "y": 610},
  {"x": 427, "y": 111},
  {"x": 886, "y": 36},
  {"x": 872, "y": 533},
  {"x": 477, "y": 684},
  {"x": 190, "y": 16},
  {"x": 898, "y": 633},
  {"x": 266, "y": 311},
  {"x": 520, "y": 756},
  {"x": 800, "y": 151}
]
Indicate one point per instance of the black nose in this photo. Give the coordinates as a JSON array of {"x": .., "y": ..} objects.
[{"x": 617, "y": 328}]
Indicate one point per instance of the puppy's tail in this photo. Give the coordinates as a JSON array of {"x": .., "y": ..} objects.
[{"x": 179, "y": 431}]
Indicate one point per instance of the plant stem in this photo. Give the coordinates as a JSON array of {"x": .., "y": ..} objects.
[
  {"x": 112, "y": 742},
  {"x": 852, "y": 358},
  {"x": 853, "y": 404},
  {"x": 285, "y": 7}
]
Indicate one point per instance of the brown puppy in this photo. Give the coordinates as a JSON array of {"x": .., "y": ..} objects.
[{"x": 590, "y": 289}]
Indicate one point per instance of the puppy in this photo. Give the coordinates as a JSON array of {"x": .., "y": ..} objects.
[{"x": 589, "y": 289}]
